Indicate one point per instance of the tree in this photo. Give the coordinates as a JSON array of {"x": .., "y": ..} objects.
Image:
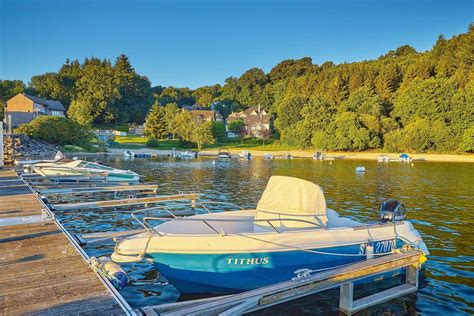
[
  {"x": 289, "y": 111},
  {"x": 226, "y": 107},
  {"x": 316, "y": 115},
  {"x": 194, "y": 131},
  {"x": 202, "y": 134},
  {"x": 388, "y": 81},
  {"x": 265, "y": 134},
  {"x": 97, "y": 93},
  {"x": 346, "y": 133},
  {"x": 206, "y": 95},
  {"x": 251, "y": 85},
  {"x": 57, "y": 130},
  {"x": 155, "y": 124},
  {"x": 218, "y": 131},
  {"x": 467, "y": 143},
  {"x": 237, "y": 127},
  {"x": 135, "y": 92},
  {"x": 429, "y": 99},
  {"x": 49, "y": 86},
  {"x": 291, "y": 68},
  {"x": 171, "y": 111},
  {"x": 185, "y": 124}
]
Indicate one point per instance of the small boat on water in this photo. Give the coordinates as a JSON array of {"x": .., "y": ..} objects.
[
  {"x": 287, "y": 156},
  {"x": 67, "y": 167},
  {"x": 318, "y": 156},
  {"x": 405, "y": 158},
  {"x": 187, "y": 154},
  {"x": 383, "y": 158},
  {"x": 360, "y": 169},
  {"x": 245, "y": 155},
  {"x": 268, "y": 156},
  {"x": 290, "y": 229},
  {"x": 129, "y": 154},
  {"x": 224, "y": 153}
]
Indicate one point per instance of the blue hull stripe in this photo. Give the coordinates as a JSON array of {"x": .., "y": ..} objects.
[{"x": 229, "y": 273}]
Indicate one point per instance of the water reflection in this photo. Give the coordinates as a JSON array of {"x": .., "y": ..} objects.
[{"x": 439, "y": 197}]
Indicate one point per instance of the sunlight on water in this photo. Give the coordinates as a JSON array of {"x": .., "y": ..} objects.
[{"x": 438, "y": 196}]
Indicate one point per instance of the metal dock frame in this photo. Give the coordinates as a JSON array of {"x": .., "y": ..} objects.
[{"x": 343, "y": 277}]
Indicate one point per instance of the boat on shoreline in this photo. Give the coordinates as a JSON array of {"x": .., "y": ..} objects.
[
  {"x": 405, "y": 158},
  {"x": 224, "y": 153},
  {"x": 79, "y": 168},
  {"x": 290, "y": 229},
  {"x": 245, "y": 155},
  {"x": 318, "y": 156},
  {"x": 383, "y": 158},
  {"x": 187, "y": 154}
]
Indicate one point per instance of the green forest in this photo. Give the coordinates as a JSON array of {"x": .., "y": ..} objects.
[{"x": 403, "y": 101}]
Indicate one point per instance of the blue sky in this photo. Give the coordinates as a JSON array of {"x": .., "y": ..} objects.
[{"x": 195, "y": 43}]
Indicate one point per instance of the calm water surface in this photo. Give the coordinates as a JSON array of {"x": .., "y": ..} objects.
[{"x": 439, "y": 198}]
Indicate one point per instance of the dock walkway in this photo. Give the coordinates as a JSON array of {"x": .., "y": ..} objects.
[{"x": 42, "y": 273}]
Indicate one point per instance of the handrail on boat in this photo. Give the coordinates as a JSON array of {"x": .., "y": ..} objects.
[
  {"x": 206, "y": 221},
  {"x": 146, "y": 225}
]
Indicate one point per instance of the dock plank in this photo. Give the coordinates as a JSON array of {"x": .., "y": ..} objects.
[{"x": 42, "y": 273}]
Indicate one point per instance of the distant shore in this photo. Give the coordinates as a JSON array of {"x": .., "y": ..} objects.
[{"x": 304, "y": 154}]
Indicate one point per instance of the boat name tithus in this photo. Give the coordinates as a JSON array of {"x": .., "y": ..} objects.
[{"x": 247, "y": 261}]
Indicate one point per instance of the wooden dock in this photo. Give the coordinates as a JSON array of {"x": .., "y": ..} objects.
[{"x": 42, "y": 272}]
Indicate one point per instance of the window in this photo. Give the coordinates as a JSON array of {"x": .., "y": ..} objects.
[{"x": 56, "y": 113}]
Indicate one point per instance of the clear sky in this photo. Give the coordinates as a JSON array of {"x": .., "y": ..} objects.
[{"x": 195, "y": 43}]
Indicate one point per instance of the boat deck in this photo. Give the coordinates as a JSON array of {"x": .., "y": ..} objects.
[{"x": 41, "y": 271}]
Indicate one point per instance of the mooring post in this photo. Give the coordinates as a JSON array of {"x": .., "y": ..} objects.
[
  {"x": 346, "y": 297},
  {"x": 193, "y": 204}
]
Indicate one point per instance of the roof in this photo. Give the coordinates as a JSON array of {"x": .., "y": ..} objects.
[{"x": 51, "y": 104}]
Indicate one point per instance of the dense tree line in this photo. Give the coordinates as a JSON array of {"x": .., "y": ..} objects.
[
  {"x": 403, "y": 101},
  {"x": 163, "y": 121},
  {"x": 95, "y": 92}
]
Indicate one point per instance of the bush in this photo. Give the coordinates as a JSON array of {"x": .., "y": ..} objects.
[
  {"x": 219, "y": 132},
  {"x": 57, "y": 130},
  {"x": 467, "y": 143},
  {"x": 152, "y": 142},
  {"x": 72, "y": 148},
  {"x": 122, "y": 128}
]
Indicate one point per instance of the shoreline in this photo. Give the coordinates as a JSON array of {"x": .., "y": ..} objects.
[{"x": 469, "y": 158}]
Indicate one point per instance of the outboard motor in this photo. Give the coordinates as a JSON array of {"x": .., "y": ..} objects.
[{"x": 392, "y": 211}]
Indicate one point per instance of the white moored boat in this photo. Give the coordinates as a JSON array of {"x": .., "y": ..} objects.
[
  {"x": 224, "y": 153},
  {"x": 187, "y": 154},
  {"x": 290, "y": 229},
  {"x": 66, "y": 167}
]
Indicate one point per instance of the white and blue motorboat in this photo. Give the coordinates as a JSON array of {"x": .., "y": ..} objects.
[
  {"x": 187, "y": 154},
  {"x": 290, "y": 229},
  {"x": 405, "y": 158}
]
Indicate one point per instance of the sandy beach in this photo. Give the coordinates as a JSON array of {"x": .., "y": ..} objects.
[{"x": 309, "y": 154}]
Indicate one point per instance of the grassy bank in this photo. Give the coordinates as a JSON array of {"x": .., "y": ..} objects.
[{"x": 136, "y": 142}]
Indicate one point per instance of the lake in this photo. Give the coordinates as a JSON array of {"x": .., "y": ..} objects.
[{"x": 439, "y": 198}]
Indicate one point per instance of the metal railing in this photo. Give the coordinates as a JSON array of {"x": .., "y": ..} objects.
[{"x": 173, "y": 213}]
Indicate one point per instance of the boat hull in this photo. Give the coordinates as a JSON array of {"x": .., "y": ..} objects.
[{"x": 236, "y": 272}]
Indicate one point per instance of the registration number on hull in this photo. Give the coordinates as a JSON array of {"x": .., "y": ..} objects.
[{"x": 379, "y": 246}]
